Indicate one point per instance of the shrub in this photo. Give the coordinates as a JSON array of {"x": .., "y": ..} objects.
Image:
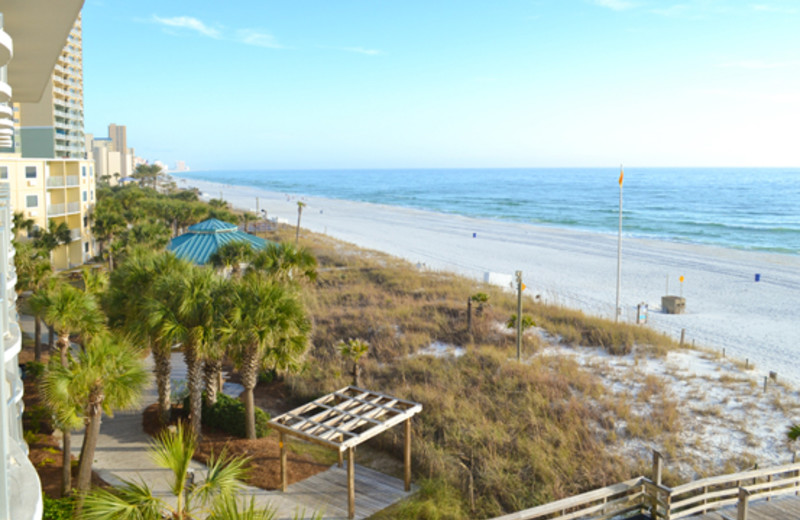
[
  {"x": 57, "y": 508},
  {"x": 228, "y": 415},
  {"x": 33, "y": 370}
]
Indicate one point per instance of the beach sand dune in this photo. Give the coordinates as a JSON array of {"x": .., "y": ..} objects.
[{"x": 725, "y": 306}]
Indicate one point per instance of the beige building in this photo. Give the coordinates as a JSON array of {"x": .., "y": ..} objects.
[
  {"x": 111, "y": 155},
  {"x": 62, "y": 190}
]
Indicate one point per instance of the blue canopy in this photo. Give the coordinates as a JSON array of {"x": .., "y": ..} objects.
[{"x": 204, "y": 238}]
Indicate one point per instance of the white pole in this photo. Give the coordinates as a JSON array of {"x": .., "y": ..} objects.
[{"x": 619, "y": 246}]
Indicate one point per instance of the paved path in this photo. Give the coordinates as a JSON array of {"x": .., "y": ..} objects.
[{"x": 122, "y": 455}]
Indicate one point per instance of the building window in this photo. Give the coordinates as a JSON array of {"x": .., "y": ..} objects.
[
  {"x": 86, "y": 247},
  {"x": 86, "y": 222},
  {"x": 32, "y": 201},
  {"x": 30, "y": 172},
  {"x": 3, "y": 172},
  {"x": 84, "y": 196},
  {"x": 91, "y": 195},
  {"x": 83, "y": 171}
]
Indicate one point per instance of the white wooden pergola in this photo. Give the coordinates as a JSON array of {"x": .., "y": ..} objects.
[{"x": 341, "y": 421}]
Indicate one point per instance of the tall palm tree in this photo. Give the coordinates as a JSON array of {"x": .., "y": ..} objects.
[
  {"x": 107, "y": 375},
  {"x": 300, "y": 206},
  {"x": 107, "y": 222},
  {"x": 135, "y": 307},
  {"x": 185, "y": 314},
  {"x": 71, "y": 311},
  {"x": 21, "y": 223},
  {"x": 210, "y": 497},
  {"x": 34, "y": 272},
  {"x": 266, "y": 321},
  {"x": 286, "y": 262}
]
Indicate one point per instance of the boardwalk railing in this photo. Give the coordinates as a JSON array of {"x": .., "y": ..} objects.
[{"x": 643, "y": 495}]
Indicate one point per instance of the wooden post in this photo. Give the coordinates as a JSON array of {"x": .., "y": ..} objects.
[
  {"x": 351, "y": 483},
  {"x": 469, "y": 315},
  {"x": 769, "y": 479},
  {"x": 741, "y": 508},
  {"x": 765, "y": 383},
  {"x": 658, "y": 462},
  {"x": 341, "y": 459},
  {"x": 407, "y": 455},
  {"x": 683, "y": 336},
  {"x": 282, "y": 444}
]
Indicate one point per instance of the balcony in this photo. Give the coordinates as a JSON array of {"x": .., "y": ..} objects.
[
  {"x": 70, "y": 181},
  {"x": 75, "y": 234},
  {"x": 6, "y": 48},
  {"x": 57, "y": 210}
]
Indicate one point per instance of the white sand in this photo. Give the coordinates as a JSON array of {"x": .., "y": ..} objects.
[{"x": 726, "y": 308}]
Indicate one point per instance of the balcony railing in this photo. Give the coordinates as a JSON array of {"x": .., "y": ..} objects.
[
  {"x": 75, "y": 234},
  {"x": 60, "y": 208},
  {"x": 69, "y": 181}
]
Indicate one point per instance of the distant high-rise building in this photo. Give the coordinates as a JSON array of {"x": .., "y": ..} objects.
[{"x": 53, "y": 126}]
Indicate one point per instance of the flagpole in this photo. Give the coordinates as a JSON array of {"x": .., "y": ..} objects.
[{"x": 619, "y": 245}]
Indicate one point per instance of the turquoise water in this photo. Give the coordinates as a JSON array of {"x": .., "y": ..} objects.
[{"x": 742, "y": 208}]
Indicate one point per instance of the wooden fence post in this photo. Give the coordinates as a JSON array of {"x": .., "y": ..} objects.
[
  {"x": 741, "y": 508},
  {"x": 658, "y": 462}
]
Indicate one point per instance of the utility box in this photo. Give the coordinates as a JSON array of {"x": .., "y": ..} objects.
[
  {"x": 641, "y": 313},
  {"x": 673, "y": 304}
]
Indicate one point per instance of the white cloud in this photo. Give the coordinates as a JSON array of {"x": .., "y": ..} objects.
[
  {"x": 188, "y": 22},
  {"x": 616, "y": 5},
  {"x": 257, "y": 39}
]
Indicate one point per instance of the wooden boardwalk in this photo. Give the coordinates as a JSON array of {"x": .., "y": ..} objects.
[
  {"x": 784, "y": 508},
  {"x": 326, "y": 492}
]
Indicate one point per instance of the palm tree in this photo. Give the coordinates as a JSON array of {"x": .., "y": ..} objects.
[
  {"x": 184, "y": 311},
  {"x": 135, "y": 307},
  {"x": 21, "y": 223},
  {"x": 107, "y": 375},
  {"x": 354, "y": 350},
  {"x": 232, "y": 255},
  {"x": 285, "y": 262},
  {"x": 266, "y": 321},
  {"x": 300, "y": 206},
  {"x": 107, "y": 223},
  {"x": 55, "y": 235},
  {"x": 34, "y": 272},
  {"x": 70, "y": 310},
  {"x": 211, "y": 497},
  {"x": 246, "y": 219}
]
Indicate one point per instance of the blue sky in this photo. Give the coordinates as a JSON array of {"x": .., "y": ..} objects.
[{"x": 298, "y": 84}]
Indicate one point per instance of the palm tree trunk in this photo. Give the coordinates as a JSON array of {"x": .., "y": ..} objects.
[
  {"x": 249, "y": 373},
  {"x": 89, "y": 443},
  {"x": 66, "y": 462},
  {"x": 356, "y": 374},
  {"x": 211, "y": 372},
  {"x": 37, "y": 339},
  {"x": 193, "y": 370},
  {"x": 161, "y": 357},
  {"x": 51, "y": 337}
]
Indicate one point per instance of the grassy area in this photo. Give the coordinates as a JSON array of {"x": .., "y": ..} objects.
[{"x": 495, "y": 435}]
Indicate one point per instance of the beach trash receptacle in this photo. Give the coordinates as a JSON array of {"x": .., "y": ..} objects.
[
  {"x": 673, "y": 304},
  {"x": 758, "y": 277},
  {"x": 474, "y": 235}
]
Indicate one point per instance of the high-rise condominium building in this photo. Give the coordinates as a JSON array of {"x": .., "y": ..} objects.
[
  {"x": 32, "y": 33},
  {"x": 53, "y": 126}
]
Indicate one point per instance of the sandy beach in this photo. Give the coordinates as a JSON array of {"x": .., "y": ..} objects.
[{"x": 725, "y": 306}]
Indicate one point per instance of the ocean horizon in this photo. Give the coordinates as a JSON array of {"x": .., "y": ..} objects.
[{"x": 740, "y": 208}]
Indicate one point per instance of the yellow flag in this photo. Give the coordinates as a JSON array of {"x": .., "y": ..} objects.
[{"x": 621, "y": 175}]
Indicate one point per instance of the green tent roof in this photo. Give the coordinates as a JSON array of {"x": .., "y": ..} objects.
[{"x": 204, "y": 238}]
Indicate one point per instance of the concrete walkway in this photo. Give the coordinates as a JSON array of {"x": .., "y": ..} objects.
[{"x": 122, "y": 454}]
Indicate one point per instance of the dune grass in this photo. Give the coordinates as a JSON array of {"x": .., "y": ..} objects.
[{"x": 495, "y": 435}]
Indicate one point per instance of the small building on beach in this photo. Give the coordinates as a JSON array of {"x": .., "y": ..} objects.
[{"x": 204, "y": 238}]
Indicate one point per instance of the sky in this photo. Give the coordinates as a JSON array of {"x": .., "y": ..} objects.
[{"x": 316, "y": 84}]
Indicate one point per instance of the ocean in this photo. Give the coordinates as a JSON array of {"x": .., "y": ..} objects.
[{"x": 742, "y": 208}]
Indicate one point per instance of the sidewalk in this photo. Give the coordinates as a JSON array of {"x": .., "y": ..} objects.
[{"x": 122, "y": 454}]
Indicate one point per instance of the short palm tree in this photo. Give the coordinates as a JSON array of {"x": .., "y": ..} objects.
[
  {"x": 34, "y": 272},
  {"x": 232, "y": 255},
  {"x": 354, "y": 350},
  {"x": 173, "y": 451},
  {"x": 266, "y": 321},
  {"x": 300, "y": 206},
  {"x": 285, "y": 262},
  {"x": 107, "y": 375}
]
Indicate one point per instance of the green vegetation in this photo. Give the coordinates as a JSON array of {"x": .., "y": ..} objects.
[{"x": 228, "y": 415}]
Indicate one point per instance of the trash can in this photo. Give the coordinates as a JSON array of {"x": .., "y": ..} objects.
[{"x": 758, "y": 277}]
